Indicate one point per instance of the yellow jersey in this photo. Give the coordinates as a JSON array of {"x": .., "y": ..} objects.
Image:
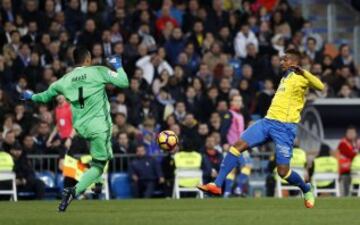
[{"x": 289, "y": 99}]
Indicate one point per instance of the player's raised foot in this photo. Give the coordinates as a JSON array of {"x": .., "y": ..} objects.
[
  {"x": 67, "y": 196},
  {"x": 210, "y": 188},
  {"x": 309, "y": 198}
]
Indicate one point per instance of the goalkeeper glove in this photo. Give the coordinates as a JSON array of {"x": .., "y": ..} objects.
[
  {"x": 115, "y": 62},
  {"x": 26, "y": 95}
]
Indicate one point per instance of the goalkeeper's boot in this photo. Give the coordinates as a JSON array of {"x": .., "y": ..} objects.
[
  {"x": 309, "y": 198},
  {"x": 97, "y": 190},
  {"x": 67, "y": 196},
  {"x": 210, "y": 188}
]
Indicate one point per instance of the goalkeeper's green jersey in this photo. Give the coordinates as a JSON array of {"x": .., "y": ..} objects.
[{"x": 84, "y": 89}]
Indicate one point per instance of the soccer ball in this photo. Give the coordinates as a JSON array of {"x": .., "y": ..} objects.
[{"x": 167, "y": 140}]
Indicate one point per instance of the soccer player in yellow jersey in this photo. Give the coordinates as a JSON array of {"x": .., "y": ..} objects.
[{"x": 279, "y": 126}]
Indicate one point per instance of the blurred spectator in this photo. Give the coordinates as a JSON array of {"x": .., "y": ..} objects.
[
  {"x": 344, "y": 59},
  {"x": 307, "y": 31},
  {"x": 324, "y": 163},
  {"x": 148, "y": 130},
  {"x": 208, "y": 103},
  {"x": 242, "y": 39},
  {"x": 346, "y": 92},
  {"x": 168, "y": 168},
  {"x": 63, "y": 117},
  {"x": 265, "y": 97},
  {"x": 26, "y": 180},
  {"x": 215, "y": 58},
  {"x": 347, "y": 150},
  {"x": 344, "y": 74},
  {"x": 9, "y": 139},
  {"x": 42, "y": 135},
  {"x": 188, "y": 131},
  {"x": 213, "y": 156},
  {"x": 29, "y": 146},
  {"x": 216, "y": 17},
  {"x": 122, "y": 144},
  {"x": 165, "y": 18},
  {"x": 118, "y": 104},
  {"x": 89, "y": 36},
  {"x": 74, "y": 17},
  {"x": 145, "y": 174},
  {"x": 233, "y": 123},
  {"x": 175, "y": 45},
  {"x": 311, "y": 51},
  {"x": 180, "y": 111}
]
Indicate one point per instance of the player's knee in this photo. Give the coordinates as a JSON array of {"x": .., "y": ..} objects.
[
  {"x": 241, "y": 145},
  {"x": 283, "y": 171},
  {"x": 100, "y": 164}
]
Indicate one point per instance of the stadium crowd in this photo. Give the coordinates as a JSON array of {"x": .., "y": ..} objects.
[{"x": 204, "y": 69}]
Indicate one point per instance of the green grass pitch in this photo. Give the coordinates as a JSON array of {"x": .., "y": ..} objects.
[{"x": 267, "y": 211}]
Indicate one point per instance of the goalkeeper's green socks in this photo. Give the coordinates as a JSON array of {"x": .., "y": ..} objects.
[{"x": 92, "y": 175}]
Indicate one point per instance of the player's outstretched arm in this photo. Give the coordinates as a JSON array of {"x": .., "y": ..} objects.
[
  {"x": 45, "y": 96},
  {"x": 313, "y": 80},
  {"x": 118, "y": 78}
]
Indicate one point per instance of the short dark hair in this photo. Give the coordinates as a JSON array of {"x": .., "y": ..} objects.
[
  {"x": 311, "y": 39},
  {"x": 294, "y": 52},
  {"x": 343, "y": 46},
  {"x": 80, "y": 54}
]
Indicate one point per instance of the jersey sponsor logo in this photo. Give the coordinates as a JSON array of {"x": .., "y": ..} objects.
[
  {"x": 112, "y": 73},
  {"x": 79, "y": 78}
]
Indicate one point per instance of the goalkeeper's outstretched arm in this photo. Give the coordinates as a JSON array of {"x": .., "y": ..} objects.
[
  {"x": 45, "y": 96},
  {"x": 118, "y": 78}
]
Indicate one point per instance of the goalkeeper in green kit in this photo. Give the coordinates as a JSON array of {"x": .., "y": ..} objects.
[{"x": 84, "y": 89}]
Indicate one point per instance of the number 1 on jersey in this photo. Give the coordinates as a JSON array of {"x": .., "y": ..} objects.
[{"x": 81, "y": 97}]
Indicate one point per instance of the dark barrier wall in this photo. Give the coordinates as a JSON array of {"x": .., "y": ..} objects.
[{"x": 336, "y": 115}]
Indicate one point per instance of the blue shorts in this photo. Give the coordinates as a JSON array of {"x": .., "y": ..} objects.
[{"x": 282, "y": 134}]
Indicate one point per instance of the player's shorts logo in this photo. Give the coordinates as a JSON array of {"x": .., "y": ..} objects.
[{"x": 283, "y": 150}]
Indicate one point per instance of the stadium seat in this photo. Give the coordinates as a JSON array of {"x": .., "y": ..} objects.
[
  {"x": 59, "y": 179},
  {"x": 183, "y": 173},
  {"x": 51, "y": 190},
  {"x": 9, "y": 176},
  {"x": 48, "y": 178},
  {"x": 353, "y": 190},
  {"x": 257, "y": 186},
  {"x": 281, "y": 185},
  {"x": 331, "y": 177},
  {"x": 120, "y": 185}
]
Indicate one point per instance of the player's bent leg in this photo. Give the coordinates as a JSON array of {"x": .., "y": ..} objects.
[
  {"x": 252, "y": 136},
  {"x": 228, "y": 164},
  {"x": 88, "y": 178},
  {"x": 230, "y": 161},
  {"x": 295, "y": 179}
]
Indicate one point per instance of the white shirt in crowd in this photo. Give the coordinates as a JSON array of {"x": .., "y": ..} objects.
[
  {"x": 148, "y": 68},
  {"x": 241, "y": 41}
]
